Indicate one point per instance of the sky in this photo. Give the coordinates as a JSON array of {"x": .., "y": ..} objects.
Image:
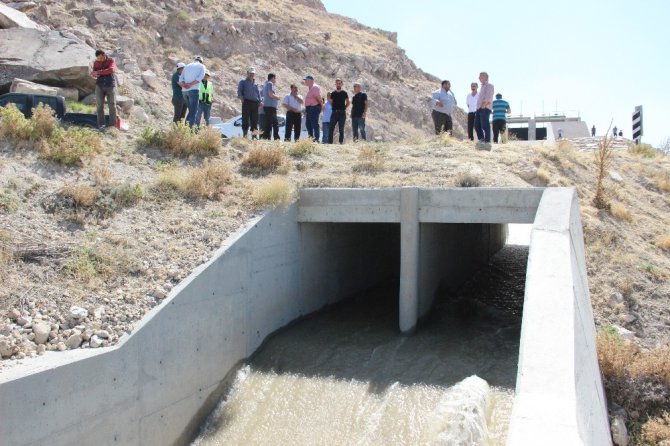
[{"x": 594, "y": 59}]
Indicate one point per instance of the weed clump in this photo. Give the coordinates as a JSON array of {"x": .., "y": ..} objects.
[
  {"x": 643, "y": 150},
  {"x": 635, "y": 379},
  {"x": 208, "y": 182},
  {"x": 303, "y": 148},
  {"x": 467, "y": 179},
  {"x": 182, "y": 140},
  {"x": 369, "y": 160},
  {"x": 620, "y": 212},
  {"x": 276, "y": 192},
  {"x": 263, "y": 160},
  {"x": 663, "y": 242}
]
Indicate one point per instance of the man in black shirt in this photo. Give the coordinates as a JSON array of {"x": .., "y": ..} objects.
[
  {"x": 339, "y": 99},
  {"x": 359, "y": 110}
]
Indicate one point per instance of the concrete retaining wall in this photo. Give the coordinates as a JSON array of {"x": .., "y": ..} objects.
[{"x": 559, "y": 394}]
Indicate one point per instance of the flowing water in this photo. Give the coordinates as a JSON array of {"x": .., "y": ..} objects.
[{"x": 345, "y": 376}]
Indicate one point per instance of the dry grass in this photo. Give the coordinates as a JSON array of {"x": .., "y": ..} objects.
[
  {"x": 620, "y": 212},
  {"x": 81, "y": 194},
  {"x": 262, "y": 160},
  {"x": 662, "y": 180},
  {"x": 209, "y": 181},
  {"x": 369, "y": 161},
  {"x": 656, "y": 431},
  {"x": 663, "y": 242},
  {"x": 273, "y": 193},
  {"x": 637, "y": 380},
  {"x": 43, "y": 122},
  {"x": 303, "y": 148},
  {"x": 127, "y": 194},
  {"x": 71, "y": 146},
  {"x": 102, "y": 174},
  {"x": 183, "y": 141},
  {"x": 643, "y": 150},
  {"x": 603, "y": 160},
  {"x": 543, "y": 176},
  {"x": 240, "y": 143},
  {"x": 467, "y": 179}
]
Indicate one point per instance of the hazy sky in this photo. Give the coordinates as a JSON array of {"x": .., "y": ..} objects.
[{"x": 598, "y": 59}]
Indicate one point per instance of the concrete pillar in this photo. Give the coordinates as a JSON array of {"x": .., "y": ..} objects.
[
  {"x": 532, "y": 132},
  {"x": 409, "y": 259}
]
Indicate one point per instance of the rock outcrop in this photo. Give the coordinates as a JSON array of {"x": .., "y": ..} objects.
[
  {"x": 47, "y": 57},
  {"x": 11, "y": 18}
]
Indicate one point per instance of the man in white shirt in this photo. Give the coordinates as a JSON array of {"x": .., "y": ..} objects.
[
  {"x": 293, "y": 104},
  {"x": 443, "y": 103},
  {"x": 189, "y": 81},
  {"x": 471, "y": 100}
]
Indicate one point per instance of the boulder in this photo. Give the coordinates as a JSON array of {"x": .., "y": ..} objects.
[
  {"x": 150, "y": 78},
  {"x": 41, "y": 331},
  {"x": 45, "y": 57},
  {"x": 107, "y": 17},
  {"x": 24, "y": 86},
  {"x": 11, "y": 18},
  {"x": 125, "y": 103}
]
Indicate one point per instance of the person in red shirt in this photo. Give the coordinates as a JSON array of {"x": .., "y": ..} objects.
[{"x": 104, "y": 73}]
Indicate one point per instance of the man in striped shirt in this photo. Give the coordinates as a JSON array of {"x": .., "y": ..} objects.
[
  {"x": 484, "y": 104},
  {"x": 500, "y": 109}
]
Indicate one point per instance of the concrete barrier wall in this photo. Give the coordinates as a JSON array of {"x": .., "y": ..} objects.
[
  {"x": 559, "y": 394},
  {"x": 151, "y": 388}
]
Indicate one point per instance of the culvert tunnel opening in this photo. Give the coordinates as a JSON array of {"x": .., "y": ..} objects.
[{"x": 352, "y": 358}]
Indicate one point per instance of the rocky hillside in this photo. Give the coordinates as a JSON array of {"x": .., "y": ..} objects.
[{"x": 289, "y": 38}]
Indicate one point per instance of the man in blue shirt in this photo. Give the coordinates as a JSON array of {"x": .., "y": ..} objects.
[
  {"x": 500, "y": 109},
  {"x": 250, "y": 97},
  {"x": 189, "y": 81},
  {"x": 270, "y": 104}
]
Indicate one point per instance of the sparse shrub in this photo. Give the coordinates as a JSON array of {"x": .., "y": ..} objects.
[
  {"x": 13, "y": 125},
  {"x": 543, "y": 175},
  {"x": 663, "y": 242},
  {"x": 643, "y": 150},
  {"x": 240, "y": 142},
  {"x": 150, "y": 137},
  {"x": 446, "y": 139},
  {"x": 43, "y": 122},
  {"x": 6, "y": 250},
  {"x": 71, "y": 146},
  {"x": 662, "y": 180},
  {"x": 81, "y": 194},
  {"x": 273, "y": 193},
  {"x": 182, "y": 140},
  {"x": 183, "y": 16},
  {"x": 467, "y": 179},
  {"x": 369, "y": 160},
  {"x": 7, "y": 203},
  {"x": 653, "y": 271},
  {"x": 302, "y": 148},
  {"x": 635, "y": 379},
  {"x": 263, "y": 160},
  {"x": 128, "y": 194},
  {"x": 102, "y": 174},
  {"x": 603, "y": 159},
  {"x": 207, "y": 141},
  {"x": 85, "y": 264},
  {"x": 208, "y": 181},
  {"x": 620, "y": 212},
  {"x": 656, "y": 431}
]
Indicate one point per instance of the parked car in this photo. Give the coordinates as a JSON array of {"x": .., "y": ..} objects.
[
  {"x": 26, "y": 102},
  {"x": 233, "y": 127}
]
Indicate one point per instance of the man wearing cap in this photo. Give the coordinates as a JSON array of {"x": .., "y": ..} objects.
[
  {"x": 313, "y": 105},
  {"x": 250, "y": 97},
  {"x": 189, "y": 80},
  {"x": 443, "y": 102},
  {"x": 104, "y": 70},
  {"x": 178, "y": 101},
  {"x": 270, "y": 104},
  {"x": 500, "y": 110},
  {"x": 483, "y": 114},
  {"x": 205, "y": 96}
]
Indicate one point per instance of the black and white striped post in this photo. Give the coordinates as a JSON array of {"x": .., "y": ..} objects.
[{"x": 637, "y": 124}]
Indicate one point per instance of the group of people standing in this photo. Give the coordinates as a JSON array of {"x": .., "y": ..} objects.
[
  {"x": 334, "y": 107},
  {"x": 192, "y": 94},
  {"x": 481, "y": 106}
]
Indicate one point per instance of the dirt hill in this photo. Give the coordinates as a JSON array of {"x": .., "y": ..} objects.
[{"x": 288, "y": 38}]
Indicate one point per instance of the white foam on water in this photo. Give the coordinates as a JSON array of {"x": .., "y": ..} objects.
[{"x": 288, "y": 409}]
